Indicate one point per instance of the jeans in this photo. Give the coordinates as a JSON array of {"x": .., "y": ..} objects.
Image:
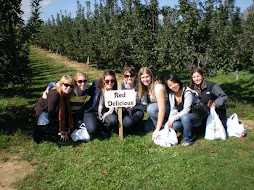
[
  {"x": 111, "y": 121},
  {"x": 128, "y": 122},
  {"x": 152, "y": 111},
  {"x": 185, "y": 125},
  {"x": 91, "y": 122}
]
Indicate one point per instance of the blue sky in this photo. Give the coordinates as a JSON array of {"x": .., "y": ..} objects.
[{"x": 52, "y": 7}]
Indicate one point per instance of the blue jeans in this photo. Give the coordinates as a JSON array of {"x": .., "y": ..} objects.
[
  {"x": 185, "y": 125},
  {"x": 152, "y": 111},
  {"x": 91, "y": 122},
  {"x": 128, "y": 122},
  {"x": 111, "y": 121}
]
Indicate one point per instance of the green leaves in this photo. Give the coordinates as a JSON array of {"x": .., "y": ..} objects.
[
  {"x": 14, "y": 63},
  {"x": 210, "y": 34}
]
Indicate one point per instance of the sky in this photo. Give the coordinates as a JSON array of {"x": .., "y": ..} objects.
[{"x": 52, "y": 7}]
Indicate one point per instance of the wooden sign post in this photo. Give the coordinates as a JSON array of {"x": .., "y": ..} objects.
[
  {"x": 120, "y": 115},
  {"x": 120, "y": 98}
]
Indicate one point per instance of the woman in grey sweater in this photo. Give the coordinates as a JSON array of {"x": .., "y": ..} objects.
[{"x": 180, "y": 118}]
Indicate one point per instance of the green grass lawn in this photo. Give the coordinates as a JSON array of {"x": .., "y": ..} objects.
[{"x": 135, "y": 162}]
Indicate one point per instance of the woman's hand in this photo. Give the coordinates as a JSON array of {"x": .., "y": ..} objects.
[
  {"x": 45, "y": 93},
  {"x": 213, "y": 106},
  {"x": 169, "y": 124},
  {"x": 130, "y": 114},
  {"x": 64, "y": 136},
  {"x": 155, "y": 134}
]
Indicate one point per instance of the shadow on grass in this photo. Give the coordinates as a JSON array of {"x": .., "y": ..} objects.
[
  {"x": 17, "y": 119},
  {"x": 242, "y": 91}
]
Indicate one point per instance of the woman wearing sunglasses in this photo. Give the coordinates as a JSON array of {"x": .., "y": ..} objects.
[
  {"x": 53, "y": 114},
  {"x": 153, "y": 94},
  {"x": 107, "y": 116},
  {"x": 131, "y": 115},
  {"x": 81, "y": 90}
]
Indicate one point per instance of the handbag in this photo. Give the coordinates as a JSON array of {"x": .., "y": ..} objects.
[
  {"x": 166, "y": 137},
  {"x": 80, "y": 134},
  {"x": 198, "y": 108},
  {"x": 214, "y": 127},
  {"x": 234, "y": 127}
]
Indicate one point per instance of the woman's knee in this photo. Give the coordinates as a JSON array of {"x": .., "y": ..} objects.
[
  {"x": 152, "y": 110},
  {"x": 111, "y": 120},
  {"x": 128, "y": 122},
  {"x": 138, "y": 115}
]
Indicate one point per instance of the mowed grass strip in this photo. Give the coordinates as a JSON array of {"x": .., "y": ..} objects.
[{"x": 134, "y": 163}]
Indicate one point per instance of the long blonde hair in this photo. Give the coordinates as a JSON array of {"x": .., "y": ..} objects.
[
  {"x": 142, "y": 88},
  {"x": 65, "y": 79}
]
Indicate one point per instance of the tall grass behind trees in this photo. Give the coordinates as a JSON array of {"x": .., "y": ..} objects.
[
  {"x": 135, "y": 162},
  {"x": 212, "y": 34}
]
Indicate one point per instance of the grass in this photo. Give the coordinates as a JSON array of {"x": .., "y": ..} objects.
[{"x": 135, "y": 162}]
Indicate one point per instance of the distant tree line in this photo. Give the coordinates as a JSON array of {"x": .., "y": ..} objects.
[{"x": 211, "y": 34}]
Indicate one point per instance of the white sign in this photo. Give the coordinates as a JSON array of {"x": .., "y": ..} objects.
[{"x": 120, "y": 98}]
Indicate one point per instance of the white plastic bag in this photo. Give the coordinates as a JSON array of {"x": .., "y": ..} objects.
[
  {"x": 214, "y": 128},
  {"x": 80, "y": 134},
  {"x": 234, "y": 127},
  {"x": 166, "y": 137}
]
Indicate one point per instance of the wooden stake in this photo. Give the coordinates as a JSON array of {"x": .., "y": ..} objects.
[{"x": 120, "y": 113}]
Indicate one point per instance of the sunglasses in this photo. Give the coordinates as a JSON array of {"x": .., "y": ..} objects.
[
  {"x": 127, "y": 76},
  {"x": 80, "y": 81},
  {"x": 109, "y": 81},
  {"x": 68, "y": 85}
]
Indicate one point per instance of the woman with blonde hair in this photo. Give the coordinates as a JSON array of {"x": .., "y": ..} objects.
[
  {"x": 53, "y": 115},
  {"x": 153, "y": 94}
]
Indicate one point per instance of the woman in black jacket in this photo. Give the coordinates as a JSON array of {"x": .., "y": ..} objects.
[
  {"x": 210, "y": 93},
  {"x": 53, "y": 114}
]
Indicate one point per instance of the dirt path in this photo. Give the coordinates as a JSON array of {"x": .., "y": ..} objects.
[
  {"x": 91, "y": 71},
  {"x": 14, "y": 169}
]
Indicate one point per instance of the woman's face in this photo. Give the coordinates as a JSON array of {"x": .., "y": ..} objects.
[
  {"x": 81, "y": 83},
  {"x": 175, "y": 87},
  {"x": 146, "y": 79},
  {"x": 197, "y": 78},
  {"x": 109, "y": 82},
  {"x": 129, "y": 78},
  {"x": 67, "y": 87}
]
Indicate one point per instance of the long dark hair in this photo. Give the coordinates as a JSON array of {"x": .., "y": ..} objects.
[
  {"x": 174, "y": 79},
  {"x": 101, "y": 80},
  {"x": 196, "y": 70}
]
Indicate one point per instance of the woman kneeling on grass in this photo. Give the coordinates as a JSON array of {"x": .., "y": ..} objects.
[
  {"x": 210, "y": 93},
  {"x": 153, "y": 93},
  {"x": 107, "y": 116},
  {"x": 53, "y": 115},
  {"x": 180, "y": 118},
  {"x": 131, "y": 115}
]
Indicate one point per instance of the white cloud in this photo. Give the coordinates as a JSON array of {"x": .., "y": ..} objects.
[
  {"x": 46, "y": 2},
  {"x": 25, "y": 6}
]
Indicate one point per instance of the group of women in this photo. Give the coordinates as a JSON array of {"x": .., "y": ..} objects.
[{"x": 64, "y": 107}]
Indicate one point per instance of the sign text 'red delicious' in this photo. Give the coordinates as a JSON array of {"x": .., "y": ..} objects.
[{"x": 120, "y": 98}]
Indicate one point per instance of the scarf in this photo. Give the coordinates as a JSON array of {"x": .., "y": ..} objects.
[{"x": 61, "y": 115}]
